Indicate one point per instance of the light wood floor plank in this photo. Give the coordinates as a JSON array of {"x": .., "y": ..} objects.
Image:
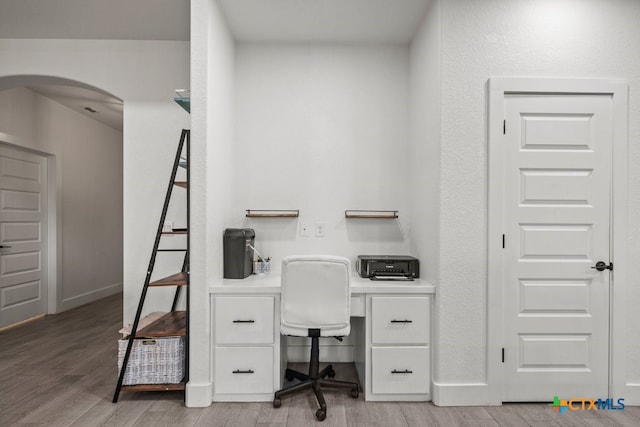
[
  {"x": 103, "y": 414},
  {"x": 507, "y": 416},
  {"x": 230, "y": 414}
]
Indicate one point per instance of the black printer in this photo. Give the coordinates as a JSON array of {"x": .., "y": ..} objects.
[{"x": 388, "y": 267}]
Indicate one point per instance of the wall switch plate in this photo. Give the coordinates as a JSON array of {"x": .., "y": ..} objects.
[
  {"x": 320, "y": 229},
  {"x": 305, "y": 229}
]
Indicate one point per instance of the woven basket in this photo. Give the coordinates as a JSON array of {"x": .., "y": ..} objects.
[{"x": 153, "y": 361}]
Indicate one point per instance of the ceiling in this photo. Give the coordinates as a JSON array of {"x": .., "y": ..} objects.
[
  {"x": 105, "y": 108},
  {"x": 95, "y": 19},
  {"x": 289, "y": 21},
  {"x": 337, "y": 21},
  {"x": 351, "y": 21}
]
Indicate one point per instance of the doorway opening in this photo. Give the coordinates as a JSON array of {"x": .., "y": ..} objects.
[{"x": 76, "y": 131}]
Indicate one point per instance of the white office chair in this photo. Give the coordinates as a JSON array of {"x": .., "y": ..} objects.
[{"x": 315, "y": 302}]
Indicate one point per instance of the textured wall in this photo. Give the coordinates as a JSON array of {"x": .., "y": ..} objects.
[
  {"x": 322, "y": 128},
  {"x": 424, "y": 145},
  {"x": 212, "y": 82},
  {"x": 560, "y": 38}
]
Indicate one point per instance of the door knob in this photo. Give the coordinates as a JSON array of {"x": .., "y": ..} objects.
[{"x": 601, "y": 266}]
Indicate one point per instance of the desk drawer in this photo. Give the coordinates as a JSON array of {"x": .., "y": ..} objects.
[
  {"x": 400, "y": 370},
  {"x": 244, "y": 320},
  {"x": 400, "y": 320},
  {"x": 243, "y": 370}
]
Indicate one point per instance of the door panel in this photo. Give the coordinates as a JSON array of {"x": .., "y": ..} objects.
[
  {"x": 23, "y": 203},
  {"x": 555, "y": 187},
  {"x": 557, "y": 225}
]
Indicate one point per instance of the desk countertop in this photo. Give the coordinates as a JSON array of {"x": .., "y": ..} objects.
[{"x": 270, "y": 283}]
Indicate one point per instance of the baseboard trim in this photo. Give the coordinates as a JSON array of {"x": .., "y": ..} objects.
[
  {"x": 88, "y": 297},
  {"x": 198, "y": 395},
  {"x": 22, "y": 322},
  {"x": 631, "y": 394},
  {"x": 471, "y": 394}
]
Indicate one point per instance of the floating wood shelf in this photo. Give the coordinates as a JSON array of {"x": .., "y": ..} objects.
[
  {"x": 274, "y": 213},
  {"x": 154, "y": 387},
  {"x": 171, "y": 324},
  {"x": 181, "y": 184},
  {"x": 370, "y": 214},
  {"x": 178, "y": 279}
]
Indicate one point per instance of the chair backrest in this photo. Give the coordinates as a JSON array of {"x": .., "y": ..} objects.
[{"x": 315, "y": 294}]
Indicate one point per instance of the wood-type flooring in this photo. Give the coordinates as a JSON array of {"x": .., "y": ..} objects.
[{"x": 60, "y": 370}]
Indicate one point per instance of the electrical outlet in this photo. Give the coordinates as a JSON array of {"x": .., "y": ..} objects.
[
  {"x": 320, "y": 229},
  {"x": 305, "y": 229},
  {"x": 168, "y": 226}
]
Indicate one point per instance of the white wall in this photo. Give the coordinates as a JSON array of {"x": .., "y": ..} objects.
[
  {"x": 144, "y": 74},
  {"x": 88, "y": 166},
  {"x": 212, "y": 83},
  {"x": 322, "y": 128},
  {"x": 425, "y": 153},
  {"x": 424, "y": 148},
  {"x": 559, "y": 38}
]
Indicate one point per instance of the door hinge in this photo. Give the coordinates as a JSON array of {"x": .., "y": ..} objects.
[
  {"x": 504, "y": 127},
  {"x": 503, "y": 241},
  {"x": 502, "y": 354}
]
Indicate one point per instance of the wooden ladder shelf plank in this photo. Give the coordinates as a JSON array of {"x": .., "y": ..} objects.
[
  {"x": 154, "y": 387},
  {"x": 176, "y": 232},
  {"x": 178, "y": 279},
  {"x": 171, "y": 324}
]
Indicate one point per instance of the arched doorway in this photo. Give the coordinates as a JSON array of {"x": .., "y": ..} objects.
[{"x": 77, "y": 130}]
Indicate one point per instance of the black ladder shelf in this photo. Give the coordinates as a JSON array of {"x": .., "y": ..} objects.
[{"x": 173, "y": 323}]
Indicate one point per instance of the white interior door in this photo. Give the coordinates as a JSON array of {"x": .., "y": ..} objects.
[
  {"x": 23, "y": 231},
  {"x": 557, "y": 227}
]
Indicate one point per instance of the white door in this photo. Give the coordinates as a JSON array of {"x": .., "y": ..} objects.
[
  {"x": 557, "y": 227},
  {"x": 23, "y": 231}
]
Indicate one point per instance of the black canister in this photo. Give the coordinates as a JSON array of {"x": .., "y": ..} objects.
[{"x": 238, "y": 252}]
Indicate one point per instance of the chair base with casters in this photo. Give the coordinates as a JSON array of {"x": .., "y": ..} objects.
[{"x": 316, "y": 380}]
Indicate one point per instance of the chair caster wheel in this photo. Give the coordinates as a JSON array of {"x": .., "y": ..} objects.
[
  {"x": 277, "y": 402},
  {"x": 355, "y": 393},
  {"x": 288, "y": 375},
  {"x": 321, "y": 414},
  {"x": 331, "y": 373}
]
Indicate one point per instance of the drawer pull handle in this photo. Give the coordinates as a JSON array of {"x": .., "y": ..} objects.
[
  {"x": 402, "y": 321},
  {"x": 405, "y": 371},
  {"x": 244, "y": 321},
  {"x": 248, "y": 371}
]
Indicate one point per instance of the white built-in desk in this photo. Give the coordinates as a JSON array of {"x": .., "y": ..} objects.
[{"x": 390, "y": 331}]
